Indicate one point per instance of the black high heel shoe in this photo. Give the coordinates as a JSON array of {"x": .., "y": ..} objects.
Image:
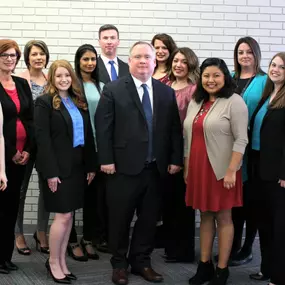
[
  {"x": 84, "y": 244},
  {"x": 70, "y": 252},
  {"x": 71, "y": 276},
  {"x": 64, "y": 280},
  {"x": 43, "y": 249}
]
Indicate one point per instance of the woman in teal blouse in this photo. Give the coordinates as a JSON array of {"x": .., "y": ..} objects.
[
  {"x": 250, "y": 80},
  {"x": 87, "y": 72}
]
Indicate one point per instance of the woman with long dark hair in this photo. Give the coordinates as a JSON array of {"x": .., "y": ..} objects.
[{"x": 86, "y": 70}]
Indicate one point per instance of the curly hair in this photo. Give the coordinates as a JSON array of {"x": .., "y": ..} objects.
[{"x": 74, "y": 90}]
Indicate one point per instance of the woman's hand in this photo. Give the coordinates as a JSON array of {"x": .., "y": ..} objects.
[
  {"x": 230, "y": 179},
  {"x": 52, "y": 183},
  {"x": 17, "y": 157},
  {"x": 24, "y": 158},
  {"x": 90, "y": 177},
  {"x": 282, "y": 183},
  {"x": 3, "y": 181}
]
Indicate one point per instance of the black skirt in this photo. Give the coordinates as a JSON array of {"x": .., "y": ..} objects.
[{"x": 70, "y": 192}]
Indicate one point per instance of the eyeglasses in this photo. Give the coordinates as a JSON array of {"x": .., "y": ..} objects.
[{"x": 7, "y": 55}]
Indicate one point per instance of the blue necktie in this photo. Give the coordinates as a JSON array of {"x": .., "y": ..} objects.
[
  {"x": 148, "y": 115},
  {"x": 114, "y": 75}
]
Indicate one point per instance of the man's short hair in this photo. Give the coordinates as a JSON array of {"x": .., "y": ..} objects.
[
  {"x": 106, "y": 28},
  {"x": 142, "y": 43}
]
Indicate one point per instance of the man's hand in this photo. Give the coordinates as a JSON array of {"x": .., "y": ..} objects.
[
  {"x": 172, "y": 169},
  {"x": 17, "y": 157},
  {"x": 108, "y": 168},
  {"x": 282, "y": 183}
]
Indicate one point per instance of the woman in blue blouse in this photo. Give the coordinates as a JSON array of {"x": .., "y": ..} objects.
[
  {"x": 66, "y": 158},
  {"x": 86, "y": 70},
  {"x": 250, "y": 80}
]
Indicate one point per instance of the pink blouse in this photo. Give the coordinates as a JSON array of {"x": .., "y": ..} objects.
[
  {"x": 21, "y": 135},
  {"x": 183, "y": 97}
]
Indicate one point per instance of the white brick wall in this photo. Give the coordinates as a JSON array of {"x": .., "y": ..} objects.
[{"x": 210, "y": 27}]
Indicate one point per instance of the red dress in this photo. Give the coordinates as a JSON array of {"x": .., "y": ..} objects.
[{"x": 204, "y": 191}]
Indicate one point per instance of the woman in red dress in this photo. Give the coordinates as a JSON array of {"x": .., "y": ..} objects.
[
  {"x": 164, "y": 46},
  {"x": 215, "y": 131}
]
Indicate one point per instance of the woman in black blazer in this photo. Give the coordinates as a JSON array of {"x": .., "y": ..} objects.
[
  {"x": 17, "y": 104},
  {"x": 66, "y": 158},
  {"x": 267, "y": 165}
]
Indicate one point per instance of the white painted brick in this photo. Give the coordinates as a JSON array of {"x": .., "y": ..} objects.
[
  {"x": 270, "y": 10},
  {"x": 229, "y": 46},
  {"x": 81, "y": 35},
  {"x": 258, "y": 32},
  {"x": 46, "y": 27},
  {"x": 128, "y": 21},
  {"x": 264, "y": 47},
  {"x": 168, "y": 15},
  {"x": 69, "y": 27},
  {"x": 277, "y": 18},
  {"x": 34, "y": 4},
  {"x": 270, "y": 40},
  {"x": 234, "y": 2},
  {"x": 232, "y": 16},
  {"x": 6, "y": 11},
  {"x": 201, "y": 8},
  {"x": 225, "y": 24},
  {"x": 247, "y": 9},
  {"x": 201, "y": 23},
  {"x": 177, "y": 23},
  {"x": 23, "y": 11},
  {"x": 21, "y": 26},
  {"x": 11, "y": 18},
  {"x": 210, "y": 46},
  {"x": 10, "y": 34},
  {"x": 188, "y": 30},
  {"x": 271, "y": 25},
  {"x": 153, "y": 7},
  {"x": 212, "y": 16},
  {"x": 177, "y": 7},
  {"x": 223, "y": 54},
  {"x": 58, "y": 19},
  {"x": 140, "y": 29},
  {"x": 114, "y": 13},
  {"x": 170, "y": 30},
  {"x": 82, "y": 20},
  {"x": 236, "y": 32},
  {"x": 82, "y": 5},
  {"x": 130, "y": 6},
  {"x": 225, "y": 9},
  {"x": 278, "y": 33},
  {"x": 105, "y": 5},
  {"x": 201, "y": 38},
  {"x": 47, "y": 11},
  {"x": 27, "y": 222},
  {"x": 188, "y": 15},
  {"x": 223, "y": 39},
  {"x": 211, "y": 31},
  {"x": 28, "y": 208},
  {"x": 212, "y": 2},
  {"x": 34, "y": 19},
  {"x": 258, "y": 17},
  {"x": 151, "y": 22},
  {"x": 247, "y": 25},
  {"x": 11, "y": 4},
  {"x": 58, "y": 4},
  {"x": 70, "y": 12},
  {"x": 258, "y": 3},
  {"x": 279, "y": 3},
  {"x": 6, "y": 26}
]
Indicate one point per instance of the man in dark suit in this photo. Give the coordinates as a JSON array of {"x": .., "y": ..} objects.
[
  {"x": 139, "y": 140},
  {"x": 110, "y": 66}
]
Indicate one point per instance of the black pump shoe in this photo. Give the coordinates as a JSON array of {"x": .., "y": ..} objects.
[
  {"x": 64, "y": 280},
  {"x": 71, "y": 276},
  {"x": 70, "y": 252},
  {"x": 43, "y": 249},
  {"x": 84, "y": 244}
]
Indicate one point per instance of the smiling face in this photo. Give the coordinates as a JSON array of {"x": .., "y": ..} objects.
[
  {"x": 161, "y": 51},
  {"x": 88, "y": 62},
  {"x": 245, "y": 56},
  {"x": 37, "y": 58},
  {"x": 276, "y": 71},
  {"x": 213, "y": 79},
  {"x": 62, "y": 79},
  {"x": 8, "y": 60},
  {"x": 109, "y": 42},
  {"x": 179, "y": 66}
]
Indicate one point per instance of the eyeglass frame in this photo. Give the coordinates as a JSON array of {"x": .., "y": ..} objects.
[{"x": 5, "y": 56}]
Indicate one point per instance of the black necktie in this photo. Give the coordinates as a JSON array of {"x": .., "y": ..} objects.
[{"x": 148, "y": 114}]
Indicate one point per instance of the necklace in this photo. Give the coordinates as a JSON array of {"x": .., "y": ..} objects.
[
  {"x": 204, "y": 110},
  {"x": 246, "y": 85}
]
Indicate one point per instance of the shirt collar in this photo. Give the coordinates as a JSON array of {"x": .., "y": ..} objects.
[
  {"x": 106, "y": 59},
  {"x": 138, "y": 83}
]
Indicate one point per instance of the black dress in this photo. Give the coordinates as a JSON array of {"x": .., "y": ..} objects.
[{"x": 56, "y": 156}]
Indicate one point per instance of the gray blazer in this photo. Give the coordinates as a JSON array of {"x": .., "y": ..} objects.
[{"x": 225, "y": 131}]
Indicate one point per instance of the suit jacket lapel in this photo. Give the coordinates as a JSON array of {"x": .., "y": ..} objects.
[
  {"x": 156, "y": 98},
  {"x": 103, "y": 71},
  {"x": 67, "y": 119},
  {"x": 134, "y": 95}
]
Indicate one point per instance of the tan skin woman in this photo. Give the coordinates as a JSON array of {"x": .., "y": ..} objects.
[
  {"x": 3, "y": 178},
  {"x": 215, "y": 131}
]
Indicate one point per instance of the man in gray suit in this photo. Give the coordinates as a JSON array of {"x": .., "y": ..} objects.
[{"x": 110, "y": 66}]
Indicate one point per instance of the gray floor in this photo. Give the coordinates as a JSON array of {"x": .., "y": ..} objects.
[{"x": 32, "y": 270}]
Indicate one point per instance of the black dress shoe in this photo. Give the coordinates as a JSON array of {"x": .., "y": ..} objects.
[
  {"x": 120, "y": 276},
  {"x": 102, "y": 246},
  {"x": 148, "y": 274},
  {"x": 70, "y": 252},
  {"x": 11, "y": 266},
  {"x": 71, "y": 276},
  {"x": 259, "y": 277},
  {"x": 4, "y": 269}
]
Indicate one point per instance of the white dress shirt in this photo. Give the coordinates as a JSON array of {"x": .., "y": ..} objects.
[
  {"x": 139, "y": 87},
  {"x": 108, "y": 65}
]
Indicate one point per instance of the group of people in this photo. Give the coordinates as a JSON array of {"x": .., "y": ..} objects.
[{"x": 158, "y": 138}]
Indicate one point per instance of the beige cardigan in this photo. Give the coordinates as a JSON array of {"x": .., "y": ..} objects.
[{"x": 225, "y": 131}]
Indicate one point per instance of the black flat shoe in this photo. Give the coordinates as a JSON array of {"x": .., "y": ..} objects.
[
  {"x": 4, "y": 269},
  {"x": 64, "y": 280},
  {"x": 71, "y": 276},
  {"x": 258, "y": 277},
  {"x": 70, "y": 252},
  {"x": 24, "y": 250},
  {"x": 43, "y": 249},
  {"x": 102, "y": 246},
  {"x": 11, "y": 266},
  {"x": 84, "y": 244}
]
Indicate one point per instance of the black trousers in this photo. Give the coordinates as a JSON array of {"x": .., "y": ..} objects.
[
  {"x": 125, "y": 195},
  {"x": 9, "y": 204},
  {"x": 242, "y": 215},
  {"x": 89, "y": 210},
  {"x": 178, "y": 220}
]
